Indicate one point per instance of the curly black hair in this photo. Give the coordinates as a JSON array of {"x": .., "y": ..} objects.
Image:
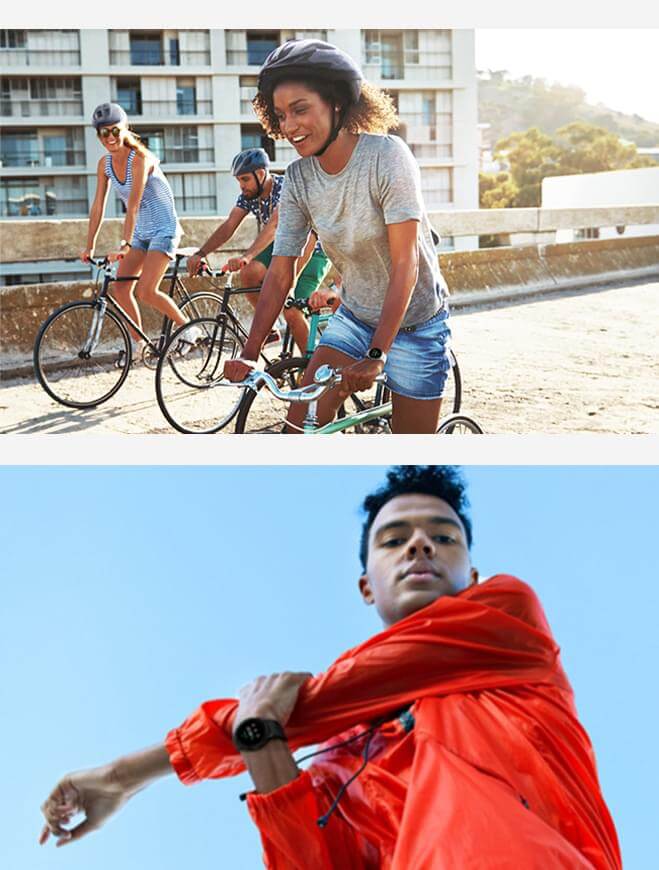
[{"x": 443, "y": 481}]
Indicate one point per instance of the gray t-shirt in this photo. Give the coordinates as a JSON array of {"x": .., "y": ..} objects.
[{"x": 350, "y": 211}]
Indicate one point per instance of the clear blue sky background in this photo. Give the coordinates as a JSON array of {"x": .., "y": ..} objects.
[{"x": 130, "y": 595}]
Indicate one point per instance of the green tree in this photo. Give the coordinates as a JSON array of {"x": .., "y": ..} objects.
[
  {"x": 531, "y": 156},
  {"x": 496, "y": 190},
  {"x": 589, "y": 148}
]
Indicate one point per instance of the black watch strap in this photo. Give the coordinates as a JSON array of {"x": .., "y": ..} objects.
[{"x": 253, "y": 734}]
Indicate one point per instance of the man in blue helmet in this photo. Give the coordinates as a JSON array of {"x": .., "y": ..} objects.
[{"x": 260, "y": 192}]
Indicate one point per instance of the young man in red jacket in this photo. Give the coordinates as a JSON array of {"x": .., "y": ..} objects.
[{"x": 449, "y": 740}]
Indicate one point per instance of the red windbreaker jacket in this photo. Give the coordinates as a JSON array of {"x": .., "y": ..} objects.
[{"x": 497, "y": 772}]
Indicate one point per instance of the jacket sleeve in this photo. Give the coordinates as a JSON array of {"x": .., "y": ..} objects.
[
  {"x": 292, "y": 840},
  {"x": 491, "y": 636}
]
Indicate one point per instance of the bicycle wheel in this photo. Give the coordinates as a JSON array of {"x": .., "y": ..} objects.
[
  {"x": 80, "y": 358},
  {"x": 458, "y": 424},
  {"x": 261, "y": 413},
  {"x": 203, "y": 304},
  {"x": 188, "y": 377}
]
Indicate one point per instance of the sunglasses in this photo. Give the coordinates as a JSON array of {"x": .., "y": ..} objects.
[{"x": 104, "y": 132}]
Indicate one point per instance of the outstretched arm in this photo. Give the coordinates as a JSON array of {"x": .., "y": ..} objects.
[{"x": 99, "y": 793}]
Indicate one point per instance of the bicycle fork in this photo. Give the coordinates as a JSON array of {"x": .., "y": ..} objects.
[{"x": 94, "y": 333}]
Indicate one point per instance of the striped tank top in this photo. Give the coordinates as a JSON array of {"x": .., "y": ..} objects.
[{"x": 156, "y": 215}]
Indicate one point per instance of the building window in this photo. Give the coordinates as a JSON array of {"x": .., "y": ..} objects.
[
  {"x": 437, "y": 187},
  {"x": 174, "y": 53},
  {"x": 253, "y": 136},
  {"x": 259, "y": 45},
  {"x": 248, "y": 88},
  {"x": 34, "y": 197},
  {"x": 20, "y": 148},
  {"x": 191, "y": 192},
  {"x": 13, "y": 38},
  {"x": 146, "y": 49},
  {"x": 186, "y": 97},
  {"x": 129, "y": 95}
]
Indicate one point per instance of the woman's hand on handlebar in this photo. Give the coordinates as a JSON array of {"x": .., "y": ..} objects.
[
  {"x": 359, "y": 376},
  {"x": 87, "y": 255},
  {"x": 96, "y": 792},
  {"x": 236, "y": 370},
  {"x": 322, "y": 299}
]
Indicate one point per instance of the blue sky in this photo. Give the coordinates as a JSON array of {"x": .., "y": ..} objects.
[{"x": 132, "y": 594}]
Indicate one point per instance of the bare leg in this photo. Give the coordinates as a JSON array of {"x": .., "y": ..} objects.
[
  {"x": 252, "y": 275},
  {"x": 331, "y": 401},
  {"x": 148, "y": 287},
  {"x": 297, "y": 323},
  {"x": 124, "y": 291},
  {"x": 414, "y": 416}
]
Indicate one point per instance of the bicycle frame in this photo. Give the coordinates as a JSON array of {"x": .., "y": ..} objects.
[{"x": 104, "y": 297}]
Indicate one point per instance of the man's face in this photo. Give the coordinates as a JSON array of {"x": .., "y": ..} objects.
[
  {"x": 248, "y": 185},
  {"x": 417, "y": 552}
]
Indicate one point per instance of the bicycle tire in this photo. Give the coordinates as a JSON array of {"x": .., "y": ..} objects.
[
  {"x": 202, "y": 305},
  {"x": 186, "y": 385},
  {"x": 268, "y": 414},
  {"x": 458, "y": 424},
  {"x": 64, "y": 374}
]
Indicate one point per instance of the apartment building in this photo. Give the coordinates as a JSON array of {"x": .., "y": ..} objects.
[{"x": 188, "y": 94}]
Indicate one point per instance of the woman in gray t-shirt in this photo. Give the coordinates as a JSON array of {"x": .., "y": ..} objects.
[{"x": 359, "y": 190}]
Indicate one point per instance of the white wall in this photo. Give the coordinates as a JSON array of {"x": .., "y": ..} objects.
[{"x": 620, "y": 187}]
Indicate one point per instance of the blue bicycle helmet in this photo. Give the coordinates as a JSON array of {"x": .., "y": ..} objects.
[
  {"x": 249, "y": 160},
  {"x": 108, "y": 114}
]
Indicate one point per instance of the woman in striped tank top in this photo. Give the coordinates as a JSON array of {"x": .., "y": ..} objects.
[{"x": 151, "y": 231}]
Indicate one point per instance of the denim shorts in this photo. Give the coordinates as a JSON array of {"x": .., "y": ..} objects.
[
  {"x": 417, "y": 363},
  {"x": 166, "y": 244}
]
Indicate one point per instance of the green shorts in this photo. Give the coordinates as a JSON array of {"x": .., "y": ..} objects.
[{"x": 312, "y": 275}]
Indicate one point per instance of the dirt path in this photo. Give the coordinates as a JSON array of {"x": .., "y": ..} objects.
[{"x": 581, "y": 363}]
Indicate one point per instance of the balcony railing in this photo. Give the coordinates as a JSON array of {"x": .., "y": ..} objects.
[
  {"x": 32, "y": 206},
  {"x": 430, "y": 150},
  {"x": 39, "y": 158},
  {"x": 71, "y": 108},
  {"x": 196, "y": 204},
  {"x": 158, "y": 108},
  {"x": 187, "y": 154},
  {"x": 159, "y": 57},
  {"x": 254, "y": 56},
  {"x": 409, "y": 62},
  {"x": 39, "y": 57}
]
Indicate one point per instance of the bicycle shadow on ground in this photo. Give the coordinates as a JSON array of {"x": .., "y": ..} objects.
[{"x": 62, "y": 421}]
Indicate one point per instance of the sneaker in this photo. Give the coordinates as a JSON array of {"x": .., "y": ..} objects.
[{"x": 189, "y": 339}]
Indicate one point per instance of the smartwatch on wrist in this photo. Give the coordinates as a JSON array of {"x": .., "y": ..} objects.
[
  {"x": 377, "y": 353},
  {"x": 253, "y": 734},
  {"x": 124, "y": 244}
]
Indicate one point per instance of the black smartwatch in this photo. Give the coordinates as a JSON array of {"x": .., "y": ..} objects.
[
  {"x": 377, "y": 353},
  {"x": 253, "y": 734}
]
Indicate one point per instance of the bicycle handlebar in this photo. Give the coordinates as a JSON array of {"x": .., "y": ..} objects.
[{"x": 325, "y": 378}]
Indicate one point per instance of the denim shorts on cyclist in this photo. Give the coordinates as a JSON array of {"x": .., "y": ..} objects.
[
  {"x": 417, "y": 363},
  {"x": 166, "y": 244}
]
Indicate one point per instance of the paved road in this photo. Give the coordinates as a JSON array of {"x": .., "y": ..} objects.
[{"x": 580, "y": 363}]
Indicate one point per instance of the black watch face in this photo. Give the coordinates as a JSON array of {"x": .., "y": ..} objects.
[
  {"x": 251, "y": 732},
  {"x": 375, "y": 353}
]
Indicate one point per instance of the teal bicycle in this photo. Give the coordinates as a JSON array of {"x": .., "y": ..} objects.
[{"x": 253, "y": 420}]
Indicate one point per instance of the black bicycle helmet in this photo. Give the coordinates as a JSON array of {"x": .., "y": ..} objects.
[
  {"x": 312, "y": 57},
  {"x": 108, "y": 114}
]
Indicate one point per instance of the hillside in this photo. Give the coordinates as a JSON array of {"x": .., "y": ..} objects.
[{"x": 511, "y": 105}]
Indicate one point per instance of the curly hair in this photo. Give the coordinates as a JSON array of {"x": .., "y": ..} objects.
[
  {"x": 374, "y": 113},
  {"x": 442, "y": 481}
]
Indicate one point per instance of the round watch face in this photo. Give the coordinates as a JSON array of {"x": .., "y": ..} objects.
[
  {"x": 375, "y": 353},
  {"x": 250, "y": 732}
]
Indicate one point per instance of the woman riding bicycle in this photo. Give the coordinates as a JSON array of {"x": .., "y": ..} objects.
[
  {"x": 151, "y": 230},
  {"x": 359, "y": 190}
]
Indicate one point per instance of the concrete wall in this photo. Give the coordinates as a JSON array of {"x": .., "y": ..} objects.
[{"x": 473, "y": 277}]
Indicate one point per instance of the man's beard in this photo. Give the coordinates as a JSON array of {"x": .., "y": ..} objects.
[{"x": 251, "y": 197}]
